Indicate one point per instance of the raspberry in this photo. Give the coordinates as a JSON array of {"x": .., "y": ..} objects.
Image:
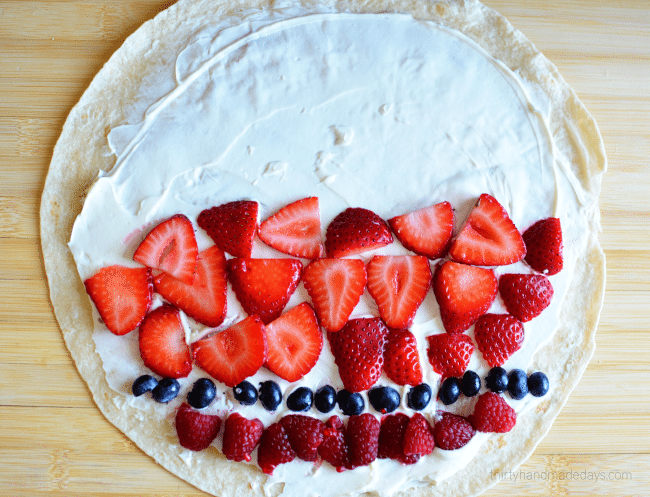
[
  {"x": 274, "y": 449},
  {"x": 240, "y": 437},
  {"x": 363, "y": 439},
  {"x": 492, "y": 414},
  {"x": 334, "y": 449},
  {"x": 195, "y": 430},
  {"x": 452, "y": 432},
  {"x": 391, "y": 439},
  {"x": 305, "y": 435},
  {"x": 418, "y": 438}
]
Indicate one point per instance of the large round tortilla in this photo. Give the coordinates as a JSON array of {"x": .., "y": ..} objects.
[{"x": 82, "y": 152}]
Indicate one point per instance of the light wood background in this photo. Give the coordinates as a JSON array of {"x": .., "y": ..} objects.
[{"x": 53, "y": 441}]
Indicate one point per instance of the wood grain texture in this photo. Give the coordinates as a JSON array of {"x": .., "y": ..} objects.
[{"x": 53, "y": 441}]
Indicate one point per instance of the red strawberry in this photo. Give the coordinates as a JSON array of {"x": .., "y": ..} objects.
[
  {"x": 464, "y": 293},
  {"x": 418, "y": 437},
  {"x": 233, "y": 355},
  {"x": 240, "y": 437},
  {"x": 305, "y": 435},
  {"x": 264, "y": 286},
  {"x": 426, "y": 231},
  {"x": 489, "y": 237},
  {"x": 170, "y": 247},
  {"x": 295, "y": 229},
  {"x": 498, "y": 336},
  {"x": 231, "y": 226},
  {"x": 449, "y": 354},
  {"x": 398, "y": 283},
  {"x": 196, "y": 430},
  {"x": 544, "y": 246},
  {"x": 356, "y": 230},
  {"x": 358, "y": 351},
  {"x": 452, "y": 432},
  {"x": 525, "y": 295},
  {"x": 334, "y": 449},
  {"x": 391, "y": 439},
  {"x": 162, "y": 343},
  {"x": 362, "y": 439},
  {"x": 274, "y": 449},
  {"x": 402, "y": 359},
  {"x": 122, "y": 296},
  {"x": 294, "y": 343},
  {"x": 492, "y": 414},
  {"x": 335, "y": 287},
  {"x": 205, "y": 299}
]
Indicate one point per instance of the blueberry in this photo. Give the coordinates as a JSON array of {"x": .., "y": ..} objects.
[
  {"x": 203, "y": 392},
  {"x": 350, "y": 403},
  {"x": 419, "y": 397},
  {"x": 470, "y": 384},
  {"x": 245, "y": 393},
  {"x": 143, "y": 384},
  {"x": 270, "y": 395},
  {"x": 538, "y": 384},
  {"x": 449, "y": 391},
  {"x": 325, "y": 399},
  {"x": 384, "y": 399},
  {"x": 517, "y": 384},
  {"x": 300, "y": 399},
  {"x": 497, "y": 380},
  {"x": 166, "y": 390}
]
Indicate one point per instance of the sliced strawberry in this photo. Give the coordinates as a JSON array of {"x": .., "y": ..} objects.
[
  {"x": 449, "y": 354},
  {"x": 274, "y": 448},
  {"x": 196, "y": 430},
  {"x": 295, "y": 229},
  {"x": 170, "y": 247},
  {"x": 464, "y": 293},
  {"x": 401, "y": 358},
  {"x": 231, "y": 226},
  {"x": 356, "y": 230},
  {"x": 525, "y": 295},
  {"x": 492, "y": 414},
  {"x": 362, "y": 439},
  {"x": 489, "y": 237},
  {"x": 240, "y": 437},
  {"x": 452, "y": 432},
  {"x": 264, "y": 286},
  {"x": 233, "y": 355},
  {"x": 398, "y": 283},
  {"x": 294, "y": 343},
  {"x": 162, "y": 343},
  {"x": 335, "y": 287},
  {"x": 498, "y": 336},
  {"x": 305, "y": 435},
  {"x": 391, "y": 439},
  {"x": 418, "y": 438},
  {"x": 122, "y": 296},
  {"x": 334, "y": 449},
  {"x": 358, "y": 351},
  {"x": 544, "y": 246},
  {"x": 426, "y": 231},
  {"x": 205, "y": 299}
]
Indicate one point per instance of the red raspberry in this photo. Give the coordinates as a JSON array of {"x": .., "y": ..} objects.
[
  {"x": 240, "y": 437},
  {"x": 452, "y": 432},
  {"x": 305, "y": 435},
  {"x": 492, "y": 414},
  {"x": 274, "y": 449},
  {"x": 418, "y": 438},
  {"x": 363, "y": 439},
  {"x": 391, "y": 439},
  {"x": 195, "y": 430},
  {"x": 334, "y": 448}
]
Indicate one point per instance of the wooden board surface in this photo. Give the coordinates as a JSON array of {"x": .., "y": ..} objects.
[{"x": 53, "y": 441}]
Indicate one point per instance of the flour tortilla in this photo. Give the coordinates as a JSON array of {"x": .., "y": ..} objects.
[{"x": 82, "y": 151}]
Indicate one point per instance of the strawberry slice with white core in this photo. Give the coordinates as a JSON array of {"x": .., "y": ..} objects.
[
  {"x": 489, "y": 237},
  {"x": 122, "y": 296},
  {"x": 232, "y": 226},
  {"x": 170, "y": 247},
  {"x": 398, "y": 283},
  {"x": 234, "y": 354},
  {"x": 426, "y": 231},
  {"x": 205, "y": 299},
  {"x": 294, "y": 343},
  {"x": 162, "y": 343},
  {"x": 295, "y": 229},
  {"x": 335, "y": 287},
  {"x": 356, "y": 230}
]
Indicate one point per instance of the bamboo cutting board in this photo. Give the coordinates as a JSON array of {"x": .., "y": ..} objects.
[{"x": 54, "y": 441}]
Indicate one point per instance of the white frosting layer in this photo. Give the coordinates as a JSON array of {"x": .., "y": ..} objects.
[{"x": 377, "y": 111}]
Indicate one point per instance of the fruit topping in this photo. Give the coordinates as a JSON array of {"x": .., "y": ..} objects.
[
  {"x": 525, "y": 295},
  {"x": 452, "y": 432},
  {"x": 492, "y": 414},
  {"x": 240, "y": 437},
  {"x": 497, "y": 380},
  {"x": 398, "y": 284},
  {"x": 356, "y": 230},
  {"x": 425, "y": 231},
  {"x": 270, "y": 395},
  {"x": 122, "y": 296},
  {"x": 245, "y": 393},
  {"x": 295, "y": 229},
  {"x": 333, "y": 448},
  {"x": 305, "y": 435},
  {"x": 464, "y": 293},
  {"x": 517, "y": 384},
  {"x": 384, "y": 399},
  {"x": 274, "y": 448},
  {"x": 538, "y": 384},
  {"x": 170, "y": 247},
  {"x": 301, "y": 399},
  {"x": 418, "y": 438},
  {"x": 294, "y": 343},
  {"x": 196, "y": 430},
  {"x": 202, "y": 394},
  {"x": 162, "y": 343},
  {"x": 401, "y": 358},
  {"x": 362, "y": 439},
  {"x": 335, "y": 287},
  {"x": 205, "y": 298},
  {"x": 166, "y": 390},
  {"x": 358, "y": 351},
  {"x": 264, "y": 286},
  {"x": 325, "y": 399},
  {"x": 449, "y": 390},
  {"x": 544, "y": 246},
  {"x": 498, "y": 336},
  {"x": 391, "y": 439},
  {"x": 350, "y": 403},
  {"x": 470, "y": 384},
  {"x": 419, "y": 397},
  {"x": 449, "y": 354},
  {"x": 234, "y": 354},
  {"x": 231, "y": 226},
  {"x": 143, "y": 384}
]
